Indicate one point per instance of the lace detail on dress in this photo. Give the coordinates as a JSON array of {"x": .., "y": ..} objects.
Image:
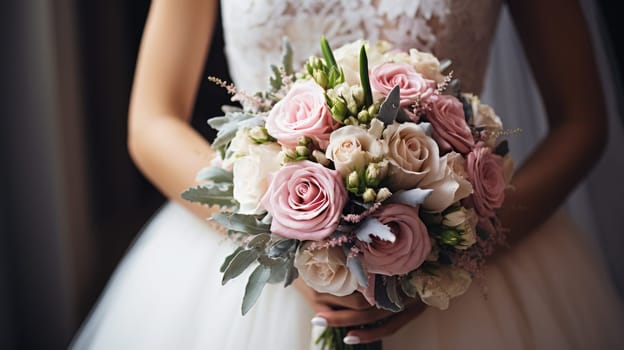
[{"x": 449, "y": 28}]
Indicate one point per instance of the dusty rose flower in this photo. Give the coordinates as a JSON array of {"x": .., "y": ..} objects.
[
  {"x": 302, "y": 112},
  {"x": 325, "y": 270},
  {"x": 485, "y": 172},
  {"x": 449, "y": 124},
  {"x": 414, "y": 87},
  {"x": 409, "y": 249},
  {"x": 423, "y": 62},
  {"x": 305, "y": 200}
]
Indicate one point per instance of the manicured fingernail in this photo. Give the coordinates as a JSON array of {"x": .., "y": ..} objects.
[
  {"x": 319, "y": 321},
  {"x": 351, "y": 340}
]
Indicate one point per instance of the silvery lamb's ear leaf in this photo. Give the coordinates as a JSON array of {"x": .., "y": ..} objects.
[
  {"x": 381, "y": 296},
  {"x": 287, "y": 57},
  {"x": 259, "y": 242},
  {"x": 228, "y": 259},
  {"x": 276, "y": 80},
  {"x": 392, "y": 291},
  {"x": 258, "y": 279},
  {"x": 291, "y": 273},
  {"x": 239, "y": 263},
  {"x": 282, "y": 248},
  {"x": 278, "y": 272},
  {"x": 390, "y": 106},
  {"x": 373, "y": 227},
  {"x": 214, "y": 174},
  {"x": 211, "y": 194},
  {"x": 355, "y": 266},
  {"x": 411, "y": 197},
  {"x": 241, "y": 223},
  {"x": 229, "y": 124},
  {"x": 408, "y": 288}
]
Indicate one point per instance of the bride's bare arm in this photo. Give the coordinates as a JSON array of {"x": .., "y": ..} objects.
[
  {"x": 173, "y": 49},
  {"x": 557, "y": 44}
]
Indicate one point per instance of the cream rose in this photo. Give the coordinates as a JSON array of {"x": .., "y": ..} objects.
[
  {"x": 325, "y": 270},
  {"x": 485, "y": 119},
  {"x": 466, "y": 221},
  {"x": 251, "y": 172},
  {"x": 352, "y": 148},
  {"x": 451, "y": 188},
  {"x": 438, "y": 288},
  {"x": 348, "y": 58}
]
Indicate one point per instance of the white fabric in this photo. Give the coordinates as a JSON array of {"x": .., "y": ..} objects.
[{"x": 550, "y": 291}]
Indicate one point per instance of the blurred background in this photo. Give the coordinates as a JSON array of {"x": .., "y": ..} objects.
[{"x": 71, "y": 201}]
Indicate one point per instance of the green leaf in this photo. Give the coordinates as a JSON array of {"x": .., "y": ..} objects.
[
  {"x": 228, "y": 259},
  {"x": 327, "y": 52},
  {"x": 276, "y": 80},
  {"x": 211, "y": 194},
  {"x": 241, "y": 223},
  {"x": 390, "y": 107},
  {"x": 215, "y": 174},
  {"x": 255, "y": 284},
  {"x": 239, "y": 263},
  {"x": 364, "y": 79}
]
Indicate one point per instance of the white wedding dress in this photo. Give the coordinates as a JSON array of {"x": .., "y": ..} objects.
[{"x": 551, "y": 291}]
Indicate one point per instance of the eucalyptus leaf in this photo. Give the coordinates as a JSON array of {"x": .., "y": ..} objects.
[
  {"x": 241, "y": 223},
  {"x": 258, "y": 279},
  {"x": 211, "y": 194},
  {"x": 239, "y": 263},
  {"x": 381, "y": 296},
  {"x": 390, "y": 107},
  {"x": 215, "y": 174},
  {"x": 228, "y": 259}
]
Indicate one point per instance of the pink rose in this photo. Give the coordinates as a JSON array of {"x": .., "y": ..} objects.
[
  {"x": 305, "y": 200},
  {"x": 413, "y": 85},
  {"x": 450, "y": 129},
  {"x": 302, "y": 112},
  {"x": 409, "y": 249},
  {"x": 485, "y": 172}
]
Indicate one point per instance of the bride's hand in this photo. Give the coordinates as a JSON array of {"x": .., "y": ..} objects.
[{"x": 353, "y": 310}]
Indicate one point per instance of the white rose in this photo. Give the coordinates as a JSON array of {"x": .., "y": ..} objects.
[
  {"x": 352, "y": 148},
  {"x": 451, "y": 188},
  {"x": 423, "y": 62},
  {"x": 325, "y": 270},
  {"x": 239, "y": 147},
  {"x": 464, "y": 220},
  {"x": 348, "y": 58},
  {"x": 438, "y": 288},
  {"x": 251, "y": 173}
]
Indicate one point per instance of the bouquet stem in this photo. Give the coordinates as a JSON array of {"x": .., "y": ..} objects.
[{"x": 332, "y": 339}]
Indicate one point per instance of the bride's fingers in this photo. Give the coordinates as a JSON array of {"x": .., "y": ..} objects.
[
  {"x": 348, "y": 317},
  {"x": 388, "y": 327},
  {"x": 354, "y": 301}
]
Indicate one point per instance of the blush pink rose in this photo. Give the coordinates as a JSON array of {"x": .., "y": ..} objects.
[
  {"x": 305, "y": 200},
  {"x": 410, "y": 248},
  {"x": 413, "y": 85},
  {"x": 302, "y": 112},
  {"x": 450, "y": 129},
  {"x": 485, "y": 172}
]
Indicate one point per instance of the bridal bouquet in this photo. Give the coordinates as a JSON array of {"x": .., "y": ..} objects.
[{"x": 366, "y": 171}]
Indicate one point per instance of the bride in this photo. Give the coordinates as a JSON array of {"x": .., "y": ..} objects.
[{"x": 549, "y": 290}]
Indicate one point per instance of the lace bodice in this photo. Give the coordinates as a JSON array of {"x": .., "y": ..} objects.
[{"x": 459, "y": 30}]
